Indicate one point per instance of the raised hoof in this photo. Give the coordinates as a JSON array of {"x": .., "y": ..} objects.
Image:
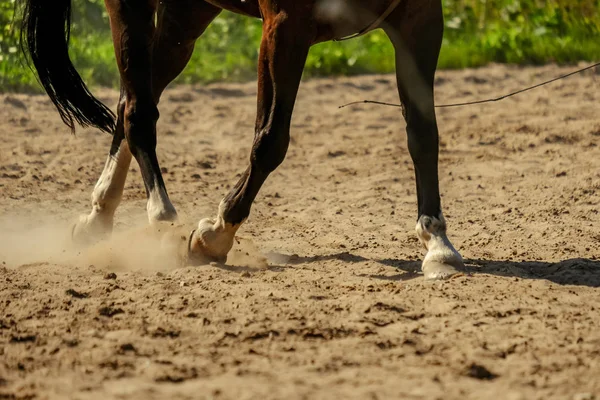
[{"x": 435, "y": 271}]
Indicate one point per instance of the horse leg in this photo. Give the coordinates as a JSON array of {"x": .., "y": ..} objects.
[
  {"x": 283, "y": 53},
  {"x": 179, "y": 25},
  {"x": 108, "y": 190},
  {"x": 133, "y": 31},
  {"x": 416, "y": 32}
]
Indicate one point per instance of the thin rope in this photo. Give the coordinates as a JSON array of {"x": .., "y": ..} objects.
[
  {"x": 375, "y": 24},
  {"x": 481, "y": 101}
]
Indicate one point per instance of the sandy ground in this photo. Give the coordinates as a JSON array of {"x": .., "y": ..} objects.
[{"x": 339, "y": 307}]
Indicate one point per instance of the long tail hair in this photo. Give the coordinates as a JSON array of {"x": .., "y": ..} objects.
[{"x": 45, "y": 32}]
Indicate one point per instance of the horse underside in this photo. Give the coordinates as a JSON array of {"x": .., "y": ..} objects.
[
  {"x": 151, "y": 54},
  {"x": 332, "y": 19}
]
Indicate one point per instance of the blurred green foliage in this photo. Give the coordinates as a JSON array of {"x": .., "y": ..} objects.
[{"x": 477, "y": 32}]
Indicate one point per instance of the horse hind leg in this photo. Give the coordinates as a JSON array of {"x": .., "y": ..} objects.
[
  {"x": 108, "y": 191},
  {"x": 132, "y": 26},
  {"x": 179, "y": 25},
  {"x": 153, "y": 58},
  {"x": 283, "y": 53},
  {"x": 416, "y": 32},
  {"x": 133, "y": 30}
]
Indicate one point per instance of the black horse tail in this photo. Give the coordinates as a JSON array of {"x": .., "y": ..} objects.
[{"x": 45, "y": 32}]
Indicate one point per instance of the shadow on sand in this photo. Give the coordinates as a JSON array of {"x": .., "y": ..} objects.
[{"x": 576, "y": 271}]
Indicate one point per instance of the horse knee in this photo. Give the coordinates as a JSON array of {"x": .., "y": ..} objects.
[{"x": 269, "y": 149}]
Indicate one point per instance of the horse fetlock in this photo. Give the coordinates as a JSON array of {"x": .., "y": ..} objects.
[
  {"x": 442, "y": 260},
  {"x": 159, "y": 207},
  {"x": 162, "y": 214}
]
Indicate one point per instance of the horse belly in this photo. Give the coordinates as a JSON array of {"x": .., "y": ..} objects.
[
  {"x": 245, "y": 7},
  {"x": 342, "y": 18}
]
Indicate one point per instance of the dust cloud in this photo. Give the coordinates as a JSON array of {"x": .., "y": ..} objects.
[{"x": 29, "y": 240}]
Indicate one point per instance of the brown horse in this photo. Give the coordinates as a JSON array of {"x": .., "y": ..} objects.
[{"x": 154, "y": 41}]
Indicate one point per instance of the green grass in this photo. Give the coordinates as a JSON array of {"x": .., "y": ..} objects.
[{"x": 477, "y": 32}]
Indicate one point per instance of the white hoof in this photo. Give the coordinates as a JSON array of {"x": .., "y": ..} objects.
[
  {"x": 442, "y": 260},
  {"x": 435, "y": 271}
]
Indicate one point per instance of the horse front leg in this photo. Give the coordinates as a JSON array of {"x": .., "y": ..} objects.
[
  {"x": 417, "y": 36},
  {"x": 283, "y": 53}
]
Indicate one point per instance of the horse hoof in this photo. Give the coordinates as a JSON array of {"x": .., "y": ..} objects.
[
  {"x": 442, "y": 261},
  {"x": 199, "y": 253},
  {"x": 86, "y": 231},
  {"x": 435, "y": 271},
  {"x": 209, "y": 243}
]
